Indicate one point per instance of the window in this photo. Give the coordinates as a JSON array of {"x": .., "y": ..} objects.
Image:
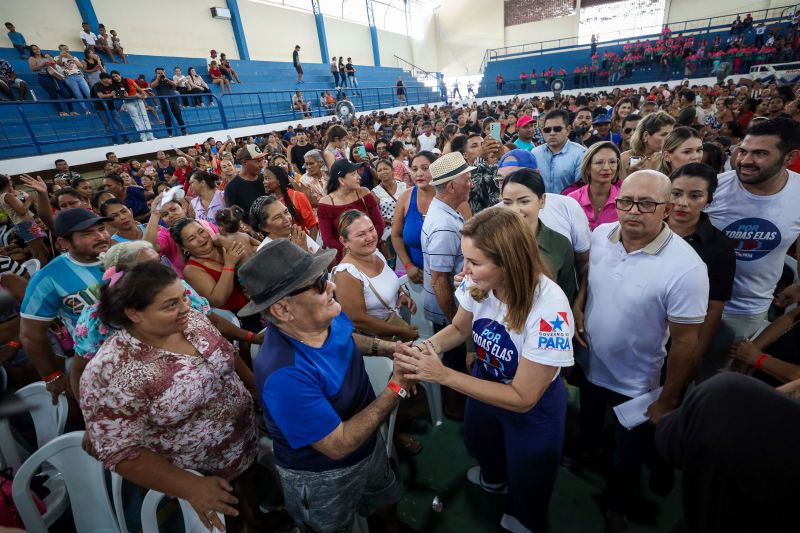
[{"x": 620, "y": 20}]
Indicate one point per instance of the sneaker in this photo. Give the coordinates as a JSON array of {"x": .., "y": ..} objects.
[{"x": 474, "y": 477}]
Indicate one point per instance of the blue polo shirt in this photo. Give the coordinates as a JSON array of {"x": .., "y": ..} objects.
[
  {"x": 307, "y": 392},
  {"x": 561, "y": 169}
]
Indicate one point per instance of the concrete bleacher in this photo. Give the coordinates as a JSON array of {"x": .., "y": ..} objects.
[
  {"x": 512, "y": 64},
  {"x": 264, "y": 96}
]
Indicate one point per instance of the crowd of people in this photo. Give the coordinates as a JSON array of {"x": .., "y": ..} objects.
[
  {"x": 747, "y": 44},
  {"x": 545, "y": 242}
]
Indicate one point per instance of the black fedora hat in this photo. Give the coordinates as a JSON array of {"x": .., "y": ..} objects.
[{"x": 276, "y": 270}]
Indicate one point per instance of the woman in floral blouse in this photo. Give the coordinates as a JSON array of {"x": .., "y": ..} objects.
[{"x": 162, "y": 395}]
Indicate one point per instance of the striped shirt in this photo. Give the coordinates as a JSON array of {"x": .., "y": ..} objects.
[{"x": 441, "y": 250}]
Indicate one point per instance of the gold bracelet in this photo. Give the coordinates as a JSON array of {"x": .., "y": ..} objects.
[{"x": 374, "y": 350}]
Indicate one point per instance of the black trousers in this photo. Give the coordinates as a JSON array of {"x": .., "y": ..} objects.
[{"x": 171, "y": 104}]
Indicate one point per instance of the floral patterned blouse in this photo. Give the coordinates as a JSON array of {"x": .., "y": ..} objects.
[
  {"x": 91, "y": 333},
  {"x": 193, "y": 411}
]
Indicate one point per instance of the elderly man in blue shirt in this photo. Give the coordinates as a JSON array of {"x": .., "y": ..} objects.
[{"x": 559, "y": 159}]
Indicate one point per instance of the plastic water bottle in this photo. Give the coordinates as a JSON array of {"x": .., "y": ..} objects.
[{"x": 437, "y": 504}]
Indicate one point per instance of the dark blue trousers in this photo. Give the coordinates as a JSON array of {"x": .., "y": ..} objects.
[{"x": 523, "y": 449}]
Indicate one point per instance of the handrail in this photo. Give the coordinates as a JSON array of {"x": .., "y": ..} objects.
[
  {"x": 415, "y": 71},
  {"x": 27, "y": 130},
  {"x": 492, "y": 54}
]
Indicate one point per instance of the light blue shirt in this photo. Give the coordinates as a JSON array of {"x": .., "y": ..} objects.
[
  {"x": 524, "y": 145},
  {"x": 561, "y": 169},
  {"x": 441, "y": 251}
]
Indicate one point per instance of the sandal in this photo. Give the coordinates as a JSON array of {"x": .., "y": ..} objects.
[{"x": 406, "y": 444}]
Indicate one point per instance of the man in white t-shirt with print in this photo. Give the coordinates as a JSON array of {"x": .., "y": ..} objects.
[
  {"x": 757, "y": 205},
  {"x": 86, "y": 35},
  {"x": 646, "y": 285}
]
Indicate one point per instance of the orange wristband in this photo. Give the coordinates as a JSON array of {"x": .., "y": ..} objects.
[
  {"x": 760, "y": 361},
  {"x": 228, "y": 269}
]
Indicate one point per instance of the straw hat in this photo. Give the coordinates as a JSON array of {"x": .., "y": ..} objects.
[{"x": 448, "y": 167}]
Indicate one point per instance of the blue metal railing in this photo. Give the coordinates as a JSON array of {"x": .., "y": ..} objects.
[
  {"x": 33, "y": 127},
  {"x": 685, "y": 27}
]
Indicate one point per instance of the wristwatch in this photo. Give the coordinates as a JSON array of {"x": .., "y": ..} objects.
[{"x": 403, "y": 393}]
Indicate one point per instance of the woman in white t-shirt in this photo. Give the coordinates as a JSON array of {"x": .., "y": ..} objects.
[
  {"x": 522, "y": 327},
  {"x": 272, "y": 218},
  {"x": 368, "y": 290}
]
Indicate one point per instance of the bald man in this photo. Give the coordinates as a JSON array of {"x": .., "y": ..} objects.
[{"x": 646, "y": 284}]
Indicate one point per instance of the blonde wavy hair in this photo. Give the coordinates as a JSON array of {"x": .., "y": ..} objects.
[{"x": 508, "y": 242}]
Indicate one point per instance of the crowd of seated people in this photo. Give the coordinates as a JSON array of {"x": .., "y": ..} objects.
[
  {"x": 565, "y": 246},
  {"x": 673, "y": 55}
]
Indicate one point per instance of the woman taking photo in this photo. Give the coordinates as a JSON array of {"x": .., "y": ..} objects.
[
  {"x": 271, "y": 217},
  {"x": 682, "y": 146},
  {"x": 208, "y": 199},
  {"x": 163, "y": 391},
  {"x": 366, "y": 287},
  {"x": 523, "y": 192},
  {"x": 358, "y": 154},
  {"x": 276, "y": 182},
  {"x": 517, "y": 401},
  {"x": 693, "y": 188},
  {"x": 73, "y": 76},
  {"x": 646, "y": 143},
  {"x": 600, "y": 172},
  {"x": 345, "y": 193}
]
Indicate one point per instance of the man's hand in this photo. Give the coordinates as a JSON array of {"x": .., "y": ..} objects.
[
  {"x": 658, "y": 409},
  {"x": 490, "y": 150}
]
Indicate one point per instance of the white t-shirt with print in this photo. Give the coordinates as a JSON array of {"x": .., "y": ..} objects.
[
  {"x": 90, "y": 38},
  {"x": 546, "y": 338},
  {"x": 762, "y": 228}
]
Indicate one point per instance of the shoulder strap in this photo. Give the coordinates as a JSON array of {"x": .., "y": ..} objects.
[{"x": 372, "y": 288}]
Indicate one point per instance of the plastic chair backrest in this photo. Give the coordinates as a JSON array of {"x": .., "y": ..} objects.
[
  {"x": 84, "y": 478},
  {"x": 32, "y": 266},
  {"x": 119, "y": 504},
  {"x": 191, "y": 521},
  {"x": 227, "y": 315},
  {"x": 48, "y": 421},
  {"x": 379, "y": 370}
]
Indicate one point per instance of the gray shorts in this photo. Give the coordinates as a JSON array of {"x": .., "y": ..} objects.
[{"x": 327, "y": 501}]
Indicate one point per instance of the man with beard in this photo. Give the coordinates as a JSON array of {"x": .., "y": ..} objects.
[
  {"x": 59, "y": 290},
  {"x": 756, "y": 205},
  {"x": 581, "y": 126}
]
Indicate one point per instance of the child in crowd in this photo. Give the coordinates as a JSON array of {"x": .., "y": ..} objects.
[
  {"x": 216, "y": 77},
  {"x": 231, "y": 229},
  {"x": 17, "y": 206}
]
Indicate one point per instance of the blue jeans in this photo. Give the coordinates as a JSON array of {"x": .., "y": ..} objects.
[
  {"x": 80, "y": 89},
  {"x": 57, "y": 91}
]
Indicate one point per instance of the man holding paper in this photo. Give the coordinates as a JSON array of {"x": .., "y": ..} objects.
[{"x": 645, "y": 285}]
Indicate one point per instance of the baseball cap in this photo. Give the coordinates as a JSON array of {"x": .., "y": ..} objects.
[
  {"x": 249, "y": 151},
  {"x": 524, "y": 159},
  {"x": 524, "y": 121},
  {"x": 75, "y": 219},
  {"x": 343, "y": 167},
  {"x": 601, "y": 119}
]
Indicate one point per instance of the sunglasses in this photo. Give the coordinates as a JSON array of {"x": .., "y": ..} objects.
[
  {"x": 321, "y": 283},
  {"x": 554, "y": 129},
  {"x": 628, "y": 130}
]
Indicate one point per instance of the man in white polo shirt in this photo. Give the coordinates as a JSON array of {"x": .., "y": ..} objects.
[
  {"x": 441, "y": 250},
  {"x": 646, "y": 284},
  {"x": 757, "y": 205}
]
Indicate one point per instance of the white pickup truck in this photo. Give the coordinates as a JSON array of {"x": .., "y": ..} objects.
[{"x": 782, "y": 73}]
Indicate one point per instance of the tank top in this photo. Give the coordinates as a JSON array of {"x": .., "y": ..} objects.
[
  {"x": 412, "y": 231},
  {"x": 237, "y": 299}
]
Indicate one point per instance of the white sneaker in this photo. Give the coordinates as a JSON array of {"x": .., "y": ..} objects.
[{"x": 474, "y": 476}]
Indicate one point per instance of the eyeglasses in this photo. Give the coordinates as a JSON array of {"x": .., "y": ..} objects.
[
  {"x": 626, "y": 131},
  {"x": 554, "y": 129},
  {"x": 321, "y": 283},
  {"x": 601, "y": 163},
  {"x": 644, "y": 206}
]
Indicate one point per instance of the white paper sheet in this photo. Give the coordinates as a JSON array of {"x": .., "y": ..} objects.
[{"x": 631, "y": 413}]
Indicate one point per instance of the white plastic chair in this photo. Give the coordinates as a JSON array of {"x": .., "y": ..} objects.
[
  {"x": 32, "y": 266},
  {"x": 433, "y": 391},
  {"x": 48, "y": 422},
  {"x": 379, "y": 370},
  {"x": 83, "y": 479},
  {"x": 191, "y": 521},
  {"x": 227, "y": 315}
]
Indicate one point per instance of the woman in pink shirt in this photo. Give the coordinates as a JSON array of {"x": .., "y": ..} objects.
[{"x": 600, "y": 172}]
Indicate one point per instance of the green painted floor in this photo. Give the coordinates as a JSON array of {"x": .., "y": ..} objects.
[{"x": 439, "y": 470}]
